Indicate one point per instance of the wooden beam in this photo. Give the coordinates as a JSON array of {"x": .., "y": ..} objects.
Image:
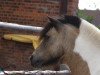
[{"x": 63, "y": 7}]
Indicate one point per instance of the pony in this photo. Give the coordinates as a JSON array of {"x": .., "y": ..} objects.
[{"x": 72, "y": 40}]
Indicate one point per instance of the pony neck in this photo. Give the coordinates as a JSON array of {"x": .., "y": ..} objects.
[
  {"x": 89, "y": 32},
  {"x": 87, "y": 45}
]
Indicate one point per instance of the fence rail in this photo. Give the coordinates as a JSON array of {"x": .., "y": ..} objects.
[
  {"x": 20, "y": 27},
  {"x": 37, "y": 72}
]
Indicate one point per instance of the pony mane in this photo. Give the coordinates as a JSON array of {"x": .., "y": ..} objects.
[
  {"x": 72, "y": 20},
  {"x": 45, "y": 30}
]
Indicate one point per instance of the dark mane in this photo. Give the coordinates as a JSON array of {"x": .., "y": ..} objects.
[
  {"x": 45, "y": 30},
  {"x": 73, "y": 20},
  {"x": 52, "y": 23}
]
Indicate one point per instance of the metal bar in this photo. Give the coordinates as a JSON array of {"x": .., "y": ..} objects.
[
  {"x": 20, "y": 27},
  {"x": 37, "y": 72}
]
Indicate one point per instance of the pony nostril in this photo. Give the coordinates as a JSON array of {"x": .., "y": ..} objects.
[
  {"x": 38, "y": 61},
  {"x": 31, "y": 57}
]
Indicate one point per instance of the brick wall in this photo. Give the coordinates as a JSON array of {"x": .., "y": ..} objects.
[
  {"x": 33, "y": 12},
  {"x": 28, "y": 11},
  {"x": 72, "y": 7}
]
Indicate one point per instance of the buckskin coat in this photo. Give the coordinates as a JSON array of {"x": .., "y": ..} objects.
[{"x": 74, "y": 41}]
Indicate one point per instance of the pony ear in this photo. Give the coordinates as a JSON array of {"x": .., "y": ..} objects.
[
  {"x": 74, "y": 20},
  {"x": 55, "y": 23}
]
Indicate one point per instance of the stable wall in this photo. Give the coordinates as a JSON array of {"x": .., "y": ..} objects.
[{"x": 14, "y": 55}]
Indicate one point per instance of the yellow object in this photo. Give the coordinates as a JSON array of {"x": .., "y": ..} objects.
[{"x": 24, "y": 38}]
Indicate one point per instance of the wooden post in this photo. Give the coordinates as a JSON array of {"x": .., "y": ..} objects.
[{"x": 63, "y": 7}]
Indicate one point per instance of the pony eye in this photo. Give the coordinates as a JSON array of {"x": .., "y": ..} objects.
[{"x": 47, "y": 36}]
